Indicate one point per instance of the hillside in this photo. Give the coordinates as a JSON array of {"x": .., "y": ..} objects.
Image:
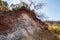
[
  {"x": 54, "y": 27},
  {"x": 22, "y": 24}
]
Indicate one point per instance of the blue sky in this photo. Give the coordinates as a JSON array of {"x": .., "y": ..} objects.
[{"x": 52, "y": 8}]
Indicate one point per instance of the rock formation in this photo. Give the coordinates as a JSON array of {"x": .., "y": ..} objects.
[{"x": 22, "y": 24}]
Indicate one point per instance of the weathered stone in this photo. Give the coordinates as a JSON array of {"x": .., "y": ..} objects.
[{"x": 22, "y": 24}]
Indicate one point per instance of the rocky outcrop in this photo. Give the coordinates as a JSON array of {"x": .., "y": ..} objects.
[{"x": 22, "y": 24}]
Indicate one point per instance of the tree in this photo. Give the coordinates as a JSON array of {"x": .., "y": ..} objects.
[
  {"x": 33, "y": 6},
  {"x": 13, "y": 6},
  {"x": 5, "y": 3},
  {"x": 3, "y": 6}
]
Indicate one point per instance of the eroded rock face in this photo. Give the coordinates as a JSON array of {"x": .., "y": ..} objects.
[{"x": 24, "y": 26}]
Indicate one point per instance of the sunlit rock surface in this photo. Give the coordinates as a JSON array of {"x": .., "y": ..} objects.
[{"x": 23, "y": 25}]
